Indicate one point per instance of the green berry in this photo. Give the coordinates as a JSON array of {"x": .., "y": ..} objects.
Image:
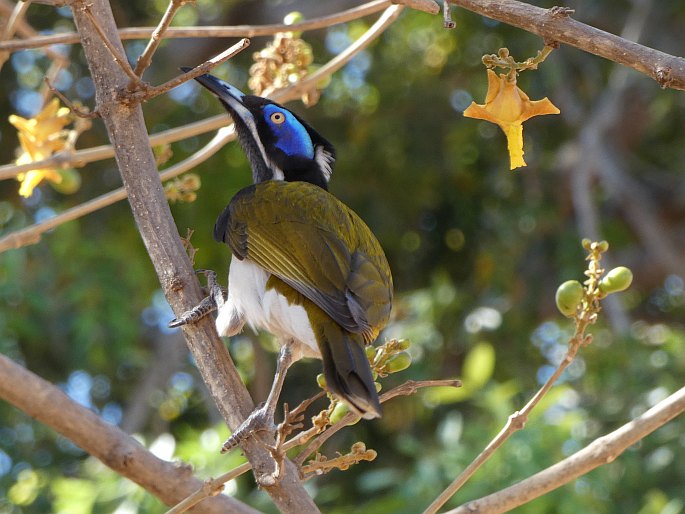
[
  {"x": 293, "y": 17},
  {"x": 70, "y": 183},
  {"x": 568, "y": 297},
  {"x": 618, "y": 279},
  {"x": 339, "y": 412},
  {"x": 403, "y": 344},
  {"x": 398, "y": 362}
]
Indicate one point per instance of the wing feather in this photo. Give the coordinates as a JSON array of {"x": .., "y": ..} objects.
[{"x": 314, "y": 243}]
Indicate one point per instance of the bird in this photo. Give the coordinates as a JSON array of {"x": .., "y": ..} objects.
[{"x": 304, "y": 266}]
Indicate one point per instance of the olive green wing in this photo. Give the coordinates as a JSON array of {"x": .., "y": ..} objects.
[{"x": 313, "y": 242}]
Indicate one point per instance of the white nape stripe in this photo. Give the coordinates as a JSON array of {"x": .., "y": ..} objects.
[
  {"x": 325, "y": 161},
  {"x": 248, "y": 118}
]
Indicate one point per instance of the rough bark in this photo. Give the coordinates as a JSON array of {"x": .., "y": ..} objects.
[{"x": 128, "y": 135}]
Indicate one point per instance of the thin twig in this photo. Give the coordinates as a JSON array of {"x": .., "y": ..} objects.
[
  {"x": 429, "y": 6},
  {"x": 210, "y": 31},
  {"x": 156, "y": 39},
  {"x": 120, "y": 59},
  {"x": 515, "y": 422},
  {"x": 80, "y": 158},
  {"x": 210, "y": 487},
  {"x": 408, "y": 388},
  {"x": 585, "y": 315},
  {"x": 81, "y": 113},
  {"x": 11, "y": 26},
  {"x": 310, "y": 81},
  {"x": 601, "y": 451},
  {"x": 205, "y": 67},
  {"x": 25, "y": 30}
]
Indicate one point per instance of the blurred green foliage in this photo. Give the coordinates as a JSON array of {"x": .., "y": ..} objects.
[{"x": 477, "y": 253}]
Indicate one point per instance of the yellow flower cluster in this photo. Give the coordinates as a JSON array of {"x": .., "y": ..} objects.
[
  {"x": 40, "y": 137},
  {"x": 282, "y": 62},
  {"x": 183, "y": 189},
  {"x": 508, "y": 106}
]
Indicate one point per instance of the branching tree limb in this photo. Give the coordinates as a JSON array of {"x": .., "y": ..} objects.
[
  {"x": 601, "y": 451},
  {"x": 45, "y": 402},
  {"x": 557, "y": 25},
  {"x": 32, "y": 234},
  {"x": 193, "y": 32},
  {"x": 126, "y": 128}
]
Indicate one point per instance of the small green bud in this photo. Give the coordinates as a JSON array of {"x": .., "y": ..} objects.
[
  {"x": 618, "y": 279},
  {"x": 370, "y": 353},
  {"x": 321, "y": 380},
  {"x": 568, "y": 297},
  {"x": 587, "y": 244},
  {"x": 602, "y": 246},
  {"x": 403, "y": 344},
  {"x": 293, "y": 17},
  {"x": 339, "y": 412},
  {"x": 379, "y": 386},
  {"x": 398, "y": 362}
]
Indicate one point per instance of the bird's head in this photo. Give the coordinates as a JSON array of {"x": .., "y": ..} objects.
[{"x": 278, "y": 143}]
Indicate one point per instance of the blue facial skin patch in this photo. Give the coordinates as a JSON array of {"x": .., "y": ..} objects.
[{"x": 291, "y": 136}]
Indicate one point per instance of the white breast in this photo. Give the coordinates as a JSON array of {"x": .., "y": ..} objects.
[{"x": 249, "y": 301}]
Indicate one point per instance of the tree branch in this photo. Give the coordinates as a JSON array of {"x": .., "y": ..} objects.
[
  {"x": 666, "y": 69},
  {"x": 32, "y": 234},
  {"x": 408, "y": 388},
  {"x": 156, "y": 39},
  {"x": 517, "y": 421},
  {"x": 210, "y": 31},
  {"x": 118, "y": 54},
  {"x": 126, "y": 129},
  {"x": 205, "y": 67},
  {"x": 603, "y": 450},
  {"x": 168, "y": 481},
  {"x": 10, "y": 27}
]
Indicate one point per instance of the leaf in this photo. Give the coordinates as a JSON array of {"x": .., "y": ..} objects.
[{"x": 479, "y": 365}]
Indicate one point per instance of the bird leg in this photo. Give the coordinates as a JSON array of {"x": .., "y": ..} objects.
[
  {"x": 262, "y": 418},
  {"x": 210, "y": 303}
]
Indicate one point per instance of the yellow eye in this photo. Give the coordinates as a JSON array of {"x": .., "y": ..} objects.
[{"x": 277, "y": 118}]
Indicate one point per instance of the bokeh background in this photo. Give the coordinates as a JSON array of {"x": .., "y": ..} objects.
[{"x": 476, "y": 250}]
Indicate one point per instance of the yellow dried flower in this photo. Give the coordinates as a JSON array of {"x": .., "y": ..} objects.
[
  {"x": 283, "y": 62},
  {"x": 508, "y": 106},
  {"x": 39, "y": 137},
  {"x": 183, "y": 189}
]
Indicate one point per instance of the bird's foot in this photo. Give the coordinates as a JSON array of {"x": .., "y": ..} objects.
[
  {"x": 208, "y": 304},
  {"x": 260, "y": 420}
]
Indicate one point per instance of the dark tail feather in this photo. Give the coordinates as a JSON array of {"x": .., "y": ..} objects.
[{"x": 348, "y": 372}]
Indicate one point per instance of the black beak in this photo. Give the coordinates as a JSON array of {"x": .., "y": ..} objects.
[{"x": 229, "y": 95}]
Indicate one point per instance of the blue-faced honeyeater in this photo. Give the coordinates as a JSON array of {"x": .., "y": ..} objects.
[{"x": 305, "y": 267}]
